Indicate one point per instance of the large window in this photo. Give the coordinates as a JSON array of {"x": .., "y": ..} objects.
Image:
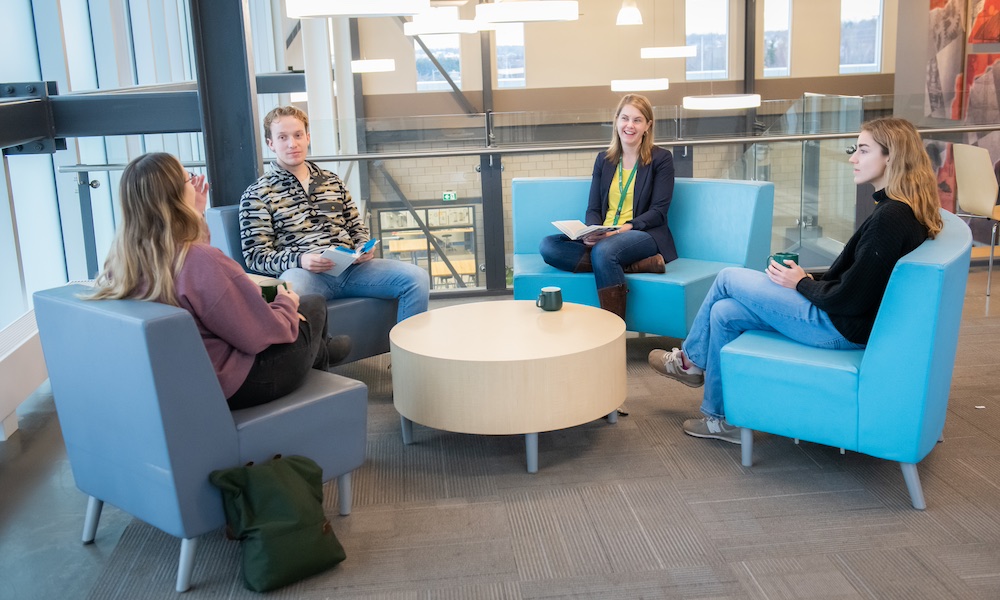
[
  {"x": 860, "y": 36},
  {"x": 445, "y": 48},
  {"x": 706, "y": 25},
  {"x": 777, "y": 38},
  {"x": 510, "y": 55},
  {"x": 446, "y": 51}
]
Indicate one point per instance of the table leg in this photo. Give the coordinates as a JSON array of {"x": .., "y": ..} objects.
[
  {"x": 407, "y": 426},
  {"x": 531, "y": 447},
  {"x": 613, "y": 416}
]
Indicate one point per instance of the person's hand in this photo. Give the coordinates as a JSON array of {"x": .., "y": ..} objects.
[
  {"x": 367, "y": 256},
  {"x": 787, "y": 275},
  {"x": 315, "y": 263},
  {"x": 593, "y": 238},
  {"x": 283, "y": 291},
  {"x": 200, "y": 184}
]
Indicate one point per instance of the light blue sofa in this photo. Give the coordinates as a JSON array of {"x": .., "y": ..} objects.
[
  {"x": 145, "y": 422},
  {"x": 888, "y": 400},
  {"x": 715, "y": 224},
  {"x": 366, "y": 320}
]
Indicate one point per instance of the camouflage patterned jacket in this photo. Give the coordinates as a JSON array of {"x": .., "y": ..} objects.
[{"x": 280, "y": 221}]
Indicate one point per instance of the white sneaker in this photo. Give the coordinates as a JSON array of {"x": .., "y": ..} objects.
[
  {"x": 670, "y": 364},
  {"x": 712, "y": 428}
]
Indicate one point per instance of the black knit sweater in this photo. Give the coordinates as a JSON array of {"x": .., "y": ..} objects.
[{"x": 851, "y": 291}]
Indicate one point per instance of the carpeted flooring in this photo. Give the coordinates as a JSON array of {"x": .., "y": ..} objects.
[{"x": 639, "y": 510}]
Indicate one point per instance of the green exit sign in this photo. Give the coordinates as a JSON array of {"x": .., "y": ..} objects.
[{"x": 449, "y": 196}]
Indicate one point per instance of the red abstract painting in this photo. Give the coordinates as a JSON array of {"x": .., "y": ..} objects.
[{"x": 985, "y": 27}]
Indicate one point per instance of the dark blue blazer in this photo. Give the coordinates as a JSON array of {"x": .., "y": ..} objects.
[{"x": 654, "y": 187}]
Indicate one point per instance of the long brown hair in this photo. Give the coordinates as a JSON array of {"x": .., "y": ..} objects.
[
  {"x": 157, "y": 229},
  {"x": 910, "y": 177},
  {"x": 614, "y": 151}
]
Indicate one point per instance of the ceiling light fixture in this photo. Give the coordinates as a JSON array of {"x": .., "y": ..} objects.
[
  {"x": 721, "y": 101},
  {"x": 639, "y": 85},
  {"x": 669, "y": 52},
  {"x": 378, "y": 65},
  {"x": 528, "y": 11},
  {"x": 299, "y": 9},
  {"x": 629, "y": 14},
  {"x": 438, "y": 21}
]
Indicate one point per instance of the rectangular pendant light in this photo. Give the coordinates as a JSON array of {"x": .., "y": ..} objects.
[
  {"x": 639, "y": 85},
  {"x": 298, "y": 9},
  {"x": 669, "y": 52},
  {"x": 379, "y": 65},
  {"x": 721, "y": 102},
  {"x": 526, "y": 11}
]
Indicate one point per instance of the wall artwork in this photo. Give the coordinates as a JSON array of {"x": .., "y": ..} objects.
[
  {"x": 985, "y": 28},
  {"x": 982, "y": 75},
  {"x": 943, "y": 89},
  {"x": 943, "y": 162}
]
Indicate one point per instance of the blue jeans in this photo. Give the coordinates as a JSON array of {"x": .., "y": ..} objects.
[
  {"x": 377, "y": 278},
  {"x": 747, "y": 300},
  {"x": 608, "y": 257}
]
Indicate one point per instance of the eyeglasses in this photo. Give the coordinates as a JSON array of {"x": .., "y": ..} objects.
[
  {"x": 190, "y": 176},
  {"x": 852, "y": 149}
]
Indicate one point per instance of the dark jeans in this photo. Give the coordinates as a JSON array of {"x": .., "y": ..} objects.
[
  {"x": 281, "y": 368},
  {"x": 609, "y": 256}
]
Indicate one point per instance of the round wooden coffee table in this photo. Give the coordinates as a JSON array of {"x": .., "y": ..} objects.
[{"x": 508, "y": 368}]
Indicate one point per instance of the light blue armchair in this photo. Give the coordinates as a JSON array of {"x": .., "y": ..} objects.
[
  {"x": 888, "y": 400},
  {"x": 144, "y": 419},
  {"x": 716, "y": 224}
]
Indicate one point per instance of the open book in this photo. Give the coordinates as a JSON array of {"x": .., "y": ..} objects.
[
  {"x": 575, "y": 229},
  {"x": 344, "y": 257}
]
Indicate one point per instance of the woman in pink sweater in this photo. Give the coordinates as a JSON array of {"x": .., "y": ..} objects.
[{"x": 260, "y": 351}]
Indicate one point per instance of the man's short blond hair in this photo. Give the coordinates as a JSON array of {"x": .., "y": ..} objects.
[{"x": 284, "y": 111}]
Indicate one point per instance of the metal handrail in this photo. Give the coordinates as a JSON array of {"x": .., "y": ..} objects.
[{"x": 926, "y": 132}]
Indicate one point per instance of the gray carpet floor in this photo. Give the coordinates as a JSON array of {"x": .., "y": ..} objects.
[{"x": 639, "y": 510}]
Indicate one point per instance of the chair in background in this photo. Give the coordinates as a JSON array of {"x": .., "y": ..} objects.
[
  {"x": 977, "y": 191},
  {"x": 145, "y": 422},
  {"x": 887, "y": 400}
]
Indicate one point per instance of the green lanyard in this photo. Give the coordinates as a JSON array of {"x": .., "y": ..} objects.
[{"x": 622, "y": 188}]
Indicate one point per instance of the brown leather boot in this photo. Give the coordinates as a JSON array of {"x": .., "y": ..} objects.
[
  {"x": 584, "y": 265},
  {"x": 612, "y": 299},
  {"x": 653, "y": 264}
]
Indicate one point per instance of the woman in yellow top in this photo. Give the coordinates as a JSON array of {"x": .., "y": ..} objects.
[{"x": 632, "y": 185}]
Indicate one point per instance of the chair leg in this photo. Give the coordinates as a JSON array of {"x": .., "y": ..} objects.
[
  {"x": 94, "y": 507},
  {"x": 186, "y": 565},
  {"x": 993, "y": 243},
  {"x": 344, "y": 493},
  {"x": 746, "y": 444},
  {"x": 913, "y": 485}
]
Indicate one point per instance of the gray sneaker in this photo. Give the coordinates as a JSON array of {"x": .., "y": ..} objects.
[
  {"x": 669, "y": 365},
  {"x": 710, "y": 427}
]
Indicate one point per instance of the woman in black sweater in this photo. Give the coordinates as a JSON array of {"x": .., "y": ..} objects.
[{"x": 836, "y": 310}]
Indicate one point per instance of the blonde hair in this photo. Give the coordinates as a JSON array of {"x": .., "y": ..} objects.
[
  {"x": 614, "y": 151},
  {"x": 284, "y": 111},
  {"x": 157, "y": 229},
  {"x": 910, "y": 177}
]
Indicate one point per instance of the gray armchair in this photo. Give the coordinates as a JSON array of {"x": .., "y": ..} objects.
[
  {"x": 144, "y": 419},
  {"x": 366, "y": 320}
]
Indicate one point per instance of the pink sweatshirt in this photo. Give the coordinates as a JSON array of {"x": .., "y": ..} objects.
[{"x": 233, "y": 319}]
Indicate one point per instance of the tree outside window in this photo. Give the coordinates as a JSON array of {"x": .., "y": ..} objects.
[
  {"x": 860, "y": 36},
  {"x": 446, "y": 51}
]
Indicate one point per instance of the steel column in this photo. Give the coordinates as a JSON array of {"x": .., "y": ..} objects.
[{"x": 227, "y": 91}]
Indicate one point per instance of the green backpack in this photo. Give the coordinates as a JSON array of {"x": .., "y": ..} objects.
[{"x": 275, "y": 509}]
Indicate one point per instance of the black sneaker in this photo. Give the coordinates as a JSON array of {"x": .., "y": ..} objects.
[{"x": 337, "y": 349}]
